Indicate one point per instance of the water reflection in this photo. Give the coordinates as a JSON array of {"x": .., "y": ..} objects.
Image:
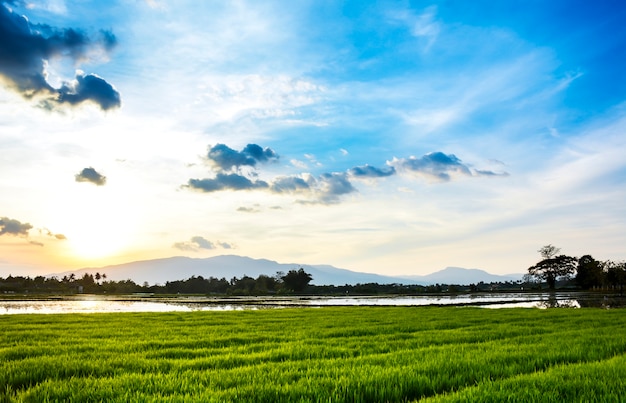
[
  {"x": 85, "y": 306},
  {"x": 100, "y": 304}
]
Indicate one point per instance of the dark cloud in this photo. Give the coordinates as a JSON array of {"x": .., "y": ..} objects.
[
  {"x": 332, "y": 185},
  {"x": 25, "y": 48},
  {"x": 290, "y": 184},
  {"x": 198, "y": 243},
  {"x": 436, "y": 165},
  {"x": 91, "y": 175},
  {"x": 9, "y": 226},
  {"x": 260, "y": 154},
  {"x": 225, "y": 158},
  {"x": 327, "y": 188},
  {"x": 90, "y": 87},
  {"x": 439, "y": 166},
  {"x": 226, "y": 182},
  {"x": 368, "y": 171}
]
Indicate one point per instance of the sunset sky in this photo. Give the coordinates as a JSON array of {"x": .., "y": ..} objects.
[{"x": 393, "y": 137}]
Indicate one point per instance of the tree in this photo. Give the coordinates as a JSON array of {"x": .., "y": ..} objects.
[
  {"x": 553, "y": 267},
  {"x": 297, "y": 281},
  {"x": 549, "y": 251},
  {"x": 616, "y": 274},
  {"x": 589, "y": 273},
  {"x": 265, "y": 284}
]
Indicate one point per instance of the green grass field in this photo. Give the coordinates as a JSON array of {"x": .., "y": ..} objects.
[{"x": 343, "y": 354}]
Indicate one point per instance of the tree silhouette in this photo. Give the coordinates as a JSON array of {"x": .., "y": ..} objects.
[
  {"x": 549, "y": 251},
  {"x": 297, "y": 281},
  {"x": 616, "y": 275},
  {"x": 589, "y": 273},
  {"x": 553, "y": 267}
]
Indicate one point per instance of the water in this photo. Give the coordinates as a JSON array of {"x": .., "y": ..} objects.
[{"x": 101, "y": 304}]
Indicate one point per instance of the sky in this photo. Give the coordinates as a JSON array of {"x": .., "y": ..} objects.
[{"x": 391, "y": 137}]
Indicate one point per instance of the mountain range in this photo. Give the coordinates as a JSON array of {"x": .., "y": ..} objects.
[{"x": 160, "y": 271}]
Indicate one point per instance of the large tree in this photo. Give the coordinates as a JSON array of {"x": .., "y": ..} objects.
[
  {"x": 297, "y": 280},
  {"x": 616, "y": 274},
  {"x": 589, "y": 273},
  {"x": 552, "y": 266}
]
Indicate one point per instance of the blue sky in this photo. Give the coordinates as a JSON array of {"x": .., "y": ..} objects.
[{"x": 388, "y": 137}]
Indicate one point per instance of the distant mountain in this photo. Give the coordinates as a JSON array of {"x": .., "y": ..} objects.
[
  {"x": 457, "y": 275},
  {"x": 160, "y": 271}
]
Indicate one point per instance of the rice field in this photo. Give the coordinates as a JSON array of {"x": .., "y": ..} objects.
[{"x": 333, "y": 354}]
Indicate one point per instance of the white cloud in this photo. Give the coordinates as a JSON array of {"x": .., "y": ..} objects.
[{"x": 422, "y": 25}]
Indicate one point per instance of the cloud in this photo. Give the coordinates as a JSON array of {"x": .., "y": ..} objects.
[
  {"x": 202, "y": 243},
  {"x": 90, "y": 87},
  {"x": 91, "y": 175},
  {"x": 482, "y": 172},
  {"x": 198, "y": 243},
  {"x": 9, "y": 226},
  {"x": 326, "y": 188},
  {"x": 333, "y": 185},
  {"x": 26, "y": 48},
  {"x": 47, "y": 232},
  {"x": 225, "y": 158},
  {"x": 226, "y": 245},
  {"x": 254, "y": 209},
  {"x": 290, "y": 184},
  {"x": 435, "y": 165},
  {"x": 368, "y": 171},
  {"x": 423, "y": 26},
  {"x": 225, "y": 182},
  {"x": 438, "y": 166}
]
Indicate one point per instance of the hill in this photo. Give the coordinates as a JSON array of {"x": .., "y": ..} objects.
[
  {"x": 458, "y": 275},
  {"x": 160, "y": 271}
]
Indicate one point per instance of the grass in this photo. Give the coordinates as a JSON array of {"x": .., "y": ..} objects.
[{"x": 338, "y": 354}]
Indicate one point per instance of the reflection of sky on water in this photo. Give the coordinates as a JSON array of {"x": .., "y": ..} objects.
[
  {"x": 85, "y": 306},
  {"x": 96, "y": 304}
]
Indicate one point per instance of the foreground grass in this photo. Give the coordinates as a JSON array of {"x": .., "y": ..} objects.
[{"x": 349, "y": 354}]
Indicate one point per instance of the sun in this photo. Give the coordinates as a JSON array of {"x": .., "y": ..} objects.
[
  {"x": 96, "y": 225},
  {"x": 96, "y": 243}
]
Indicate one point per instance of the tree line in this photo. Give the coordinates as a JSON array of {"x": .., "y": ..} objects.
[
  {"x": 294, "y": 281},
  {"x": 587, "y": 272}
]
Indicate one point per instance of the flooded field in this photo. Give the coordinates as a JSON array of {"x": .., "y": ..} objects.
[{"x": 144, "y": 303}]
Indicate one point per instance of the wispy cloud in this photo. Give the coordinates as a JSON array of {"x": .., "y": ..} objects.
[
  {"x": 198, "y": 243},
  {"x": 422, "y": 25}
]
